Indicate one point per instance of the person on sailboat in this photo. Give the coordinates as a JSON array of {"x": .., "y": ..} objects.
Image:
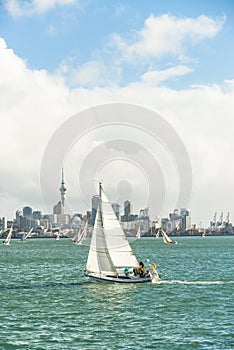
[{"x": 141, "y": 269}]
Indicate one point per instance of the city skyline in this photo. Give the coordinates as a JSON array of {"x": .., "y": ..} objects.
[
  {"x": 173, "y": 58},
  {"x": 127, "y": 209}
]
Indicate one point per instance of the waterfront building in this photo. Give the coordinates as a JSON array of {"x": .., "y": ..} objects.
[{"x": 185, "y": 219}]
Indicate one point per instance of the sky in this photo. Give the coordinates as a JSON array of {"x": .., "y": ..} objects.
[{"x": 69, "y": 69}]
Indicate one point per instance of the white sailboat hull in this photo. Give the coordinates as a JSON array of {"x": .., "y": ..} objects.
[{"x": 118, "y": 279}]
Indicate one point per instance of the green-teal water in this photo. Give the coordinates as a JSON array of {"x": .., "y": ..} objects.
[{"x": 47, "y": 303}]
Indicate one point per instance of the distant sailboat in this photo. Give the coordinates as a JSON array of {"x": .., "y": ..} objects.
[
  {"x": 204, "y": 233},
  {"x": 58, "y": 235},
  {"x": 8, "y": 239},
  {"x": 76, "y": 237},
  {"x": 110, "y": 255},
  {"x": 166, "y": 239},
  {"x": 138, "y": 234},
  {"x": 157, "y": 234},
  {"x": 81, "y": 235},
  {"x": 26, "y": 235}
]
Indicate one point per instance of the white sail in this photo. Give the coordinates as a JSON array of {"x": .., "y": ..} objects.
[
  {"x": 80, "y": 236},
  {"x": 26, "y": 235},
  {"x": 58, "y": 235},
  {"x": 117, "y": 244},
  {"x": 138, "y": 235},
  {"x": 165, "y": 237},
  {"x": 8, "y": 239},
  {"x": 76, "y": 237},
  {"x": 99, "y": 260}
]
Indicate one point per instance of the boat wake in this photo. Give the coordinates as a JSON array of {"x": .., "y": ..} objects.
[{"x": 195, "y": 282}]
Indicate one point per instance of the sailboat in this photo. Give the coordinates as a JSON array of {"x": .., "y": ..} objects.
[
  {"x": 26, "y": 235},
  {"x": 58, "y": 235},
  {"x": 203, "y": 233},
  {"x": 110, "y": 256},
  {"x": 8, "y": 239},
  {"x": 81, "y": 235},
  {"x": 166, "y": 239},
  {"x": 138, "y": 234}
]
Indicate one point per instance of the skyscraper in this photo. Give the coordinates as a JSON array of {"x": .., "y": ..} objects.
[
  {"x": 127, "y": 208},
  {"x": 27, "y": 212}
]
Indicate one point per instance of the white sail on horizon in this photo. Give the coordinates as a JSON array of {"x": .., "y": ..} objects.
[{"x": 8, "y": 239}]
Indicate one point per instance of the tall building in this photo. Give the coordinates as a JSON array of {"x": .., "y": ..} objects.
[
  {"x": 128, "y": 208},
  {"x": 58, "y": 208},
  {"x": 17, "y": 215},
  {"x": 128, "y": 212},
  {"x": 27, "y": 212},
  {"x": 95, "y": 201},
  {"x": 4, "y": 223},
  {"x": 186, "y": 219},
  {"x": 63, "y": 189}
]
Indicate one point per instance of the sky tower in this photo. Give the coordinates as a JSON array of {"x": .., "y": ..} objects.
[{"x": 62, "y": 189}]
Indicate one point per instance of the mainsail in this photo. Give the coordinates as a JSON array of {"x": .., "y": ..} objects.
[
  {"x": 81, "y": 235},
  {"x": 117, "y": 244},
  {"x": 26, "y": 235},
  {"x": 165, "y": 237},
  {"x": 138, "y": 234}
]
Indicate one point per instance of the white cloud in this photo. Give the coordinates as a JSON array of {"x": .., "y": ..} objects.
[
  {"x": 165, "y": 35},
  {"x": 34, "y": 103},
  {"x": 18, "y": 8},
  {"x": 155, "y": 77},
  {"x": 90, "y": 74}
]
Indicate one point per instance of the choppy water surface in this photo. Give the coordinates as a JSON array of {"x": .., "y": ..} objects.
[{"x": 47, "y": 303}]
